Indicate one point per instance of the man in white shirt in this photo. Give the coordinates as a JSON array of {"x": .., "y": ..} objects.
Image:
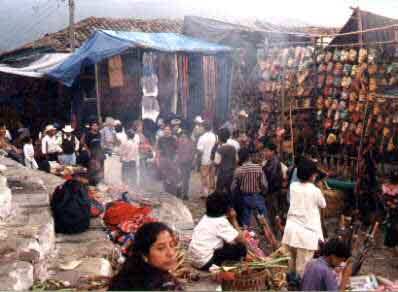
[
  {"x": 234, "y": 140},
  {"x": 50, "y": 144},
  {"x": 303, "y": 228},
  {"x": 205, "y": 146},
  {"x": 215, "y": 240}
]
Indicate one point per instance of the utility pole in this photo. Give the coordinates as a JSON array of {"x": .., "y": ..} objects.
[{"x": 72, "y": 38}]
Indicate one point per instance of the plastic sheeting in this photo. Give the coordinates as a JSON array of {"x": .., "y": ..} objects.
[
  {"x": 39, "y": 68},
  {"x": 104, "y": 44}
]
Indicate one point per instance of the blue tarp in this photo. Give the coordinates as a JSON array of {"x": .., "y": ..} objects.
[{"x": 104, "y": 44}]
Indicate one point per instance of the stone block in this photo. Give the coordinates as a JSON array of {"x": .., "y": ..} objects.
[
  {"x": 16, "y": 276},
  {"x": 31, "y": 199},
  {"x": 84, "y": 237}
]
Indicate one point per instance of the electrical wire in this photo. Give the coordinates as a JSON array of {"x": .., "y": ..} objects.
[{"x": 32, "y": 28}]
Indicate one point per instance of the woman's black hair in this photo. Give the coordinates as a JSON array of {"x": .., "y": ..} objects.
[
  {"x": 224, "y": 135},
  {"x": 134, "y": 272},
  {"x": 217, "y": 204},
  {"x": 306, "y": 169},
  {"x": 336, "y": 247},
  {"x": 119, "y": 128},
  {"x": 130, "y": 134},
  {"x": 146, "y": 237}
]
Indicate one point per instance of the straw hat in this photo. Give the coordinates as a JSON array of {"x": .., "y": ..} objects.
[
  {"x": 244, "y": 114},
  {"x": 68, "y": 129},
  {"x": 109, "y": 121},
  {"x": 199, "y": 120},
  {"x": 49, "y": 128}
]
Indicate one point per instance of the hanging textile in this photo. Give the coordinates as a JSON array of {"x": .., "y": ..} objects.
[
  {"x": 196, "y": 86},
  {"x": 225, "y": 74},
  {"x": 209, "y": 76},
  {"x": 149, "y": 80},
  {"x": 115, "y": 71},
  {"x": 168, "y": 82},
  {"x": 132, "y": 64},
  {"x": 183, "y": 85}
]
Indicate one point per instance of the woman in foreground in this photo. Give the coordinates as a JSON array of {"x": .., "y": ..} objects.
[{"x": 154, "y": 255}]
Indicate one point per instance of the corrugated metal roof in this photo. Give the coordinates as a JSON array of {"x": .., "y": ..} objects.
[{"x": 369, "y": 20}]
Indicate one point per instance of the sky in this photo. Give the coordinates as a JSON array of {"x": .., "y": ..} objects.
[{"x": 27, "y": 20}]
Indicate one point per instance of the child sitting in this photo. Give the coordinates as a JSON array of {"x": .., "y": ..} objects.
[{"x": 214, "y": 239}]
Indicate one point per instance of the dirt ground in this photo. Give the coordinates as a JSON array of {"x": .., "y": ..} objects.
[{"x": 380, "y": 261}]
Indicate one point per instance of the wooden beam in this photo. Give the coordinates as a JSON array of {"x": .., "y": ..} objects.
[
  {"x": 98, "y": 93},
  {"x": 360, "y": 26}
]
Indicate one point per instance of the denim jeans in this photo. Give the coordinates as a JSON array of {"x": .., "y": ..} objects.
[
  {"x": 67, "y": 159},
  {"x": 252, "y": 203}
]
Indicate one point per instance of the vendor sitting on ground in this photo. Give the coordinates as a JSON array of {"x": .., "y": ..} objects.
[
  {"x": 319, "y": 274},
  {"x": 153, "y": 256},
  {"x": 214, "y": 239}
]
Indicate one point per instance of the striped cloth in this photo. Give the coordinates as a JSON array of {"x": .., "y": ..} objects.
[{"x": 250, "y": 178}]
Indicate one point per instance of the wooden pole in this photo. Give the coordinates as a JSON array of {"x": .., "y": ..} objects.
[
  {"x": 72, "y": 37},
  {"x": 98, "y": 93},
  {"x": 360, "y": 26},
  {"x": 291, "y": 129}
]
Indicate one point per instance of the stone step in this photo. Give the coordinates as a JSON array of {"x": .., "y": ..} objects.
[
  {"x": 88, "y": 267},
  {"x": 68, "y": 251},
  {"x": 84, "y": 237},
  {"x": 16, "y": 276},
  {"x": 31, "y": 200}
]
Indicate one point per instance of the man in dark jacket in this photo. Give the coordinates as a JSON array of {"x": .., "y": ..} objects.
[{"x": 272, "y": 169}]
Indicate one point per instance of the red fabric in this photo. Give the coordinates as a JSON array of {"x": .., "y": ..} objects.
[
  {"x": 131, "y": 226},
  {"x": 120, "y": 212}
]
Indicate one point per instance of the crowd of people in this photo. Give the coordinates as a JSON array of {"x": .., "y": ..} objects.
[{"x": 242, "y": 178}]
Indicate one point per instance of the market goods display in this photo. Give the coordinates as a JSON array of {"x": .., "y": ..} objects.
[{"x": 349, "y": 109}]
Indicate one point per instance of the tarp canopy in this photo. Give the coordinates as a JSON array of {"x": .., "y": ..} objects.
[
  {"x": 39, "y": 68},
  {"x": 104, "y": 44}
]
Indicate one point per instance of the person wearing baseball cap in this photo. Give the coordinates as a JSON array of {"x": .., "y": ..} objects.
[{"x": 69, "y": 145}]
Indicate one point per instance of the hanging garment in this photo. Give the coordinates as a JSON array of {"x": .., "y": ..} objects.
[
  {"x": 149, "y": 80},
  {"x": 115, "y": 71}
]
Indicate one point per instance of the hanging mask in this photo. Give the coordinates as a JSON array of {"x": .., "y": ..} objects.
[
  {"x": 328, "y": 102},
  {"x": 344, "y": 126},
  {"x": 320, "y": 58},
  {"x": 382, "y": 70},
  {"x": 344, "y": 95},
  {"x": 342, "y": 105},
  {"x": 344, "y": 56},
  {"x": 337, "y": 81},
  {"x": 353, "y": 96},
  {"x": 346, "y": 82},
  {"x": 363, "y": 55},
  {"x": 321, "y": 80},
  {"x": 360, "y": 107},
  {"x": 335, "y": 104},
  {"x": 380, "y": 119},
  {"x": 337, "y": 55},
  {"x": 371, "y": 97},
  {"x": 322, "y": 68},
  {"x": 373, "y": 85},
  {"x": 362, "y": 96},
  {"x": 337, "y": 116},
  {"x": 372, "y": 56},
  {"x": 328, "y": 56},
  {"x": 331, "y": 139},
  {"x": 328, "y": 91},
  {"x": 372, "y": 69},
  {"x": 352, "y": 106},
  {"x": 386, "y": 132},
  {"x": 359, "y": 130},
  {"x": 320, "y": 103},
  {"x": 329, "y": 80},
  {"x": 355, "y": 117},
  {"x": 344, "y": 114},
  {"x": 329, "y": 113},
  {"x": 354, "y": 70},
  {"x": 393, "y": 81},
  {"x": 328, "y": 124},
  {"x": 330, "y": 67},
  {"x": 353, "y": 55},
  {"x": 347, "y": 69},
  {"x": 382, "y": 81},
  {"x": 319, "y": 115}
]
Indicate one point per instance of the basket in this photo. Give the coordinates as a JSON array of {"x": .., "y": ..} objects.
[{"x": 255, "y": 281}]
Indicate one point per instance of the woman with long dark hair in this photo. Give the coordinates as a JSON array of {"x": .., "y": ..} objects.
[{"x": 153, "y": 256}]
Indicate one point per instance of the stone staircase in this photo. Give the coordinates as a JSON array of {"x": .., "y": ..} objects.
[{"x": 30, "y": 251}]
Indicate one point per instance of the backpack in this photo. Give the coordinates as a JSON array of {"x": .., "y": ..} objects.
[{"x": 70, "y": 206}]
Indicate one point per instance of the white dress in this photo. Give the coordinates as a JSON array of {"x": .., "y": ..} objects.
[{"x": 303, "y": 226}]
